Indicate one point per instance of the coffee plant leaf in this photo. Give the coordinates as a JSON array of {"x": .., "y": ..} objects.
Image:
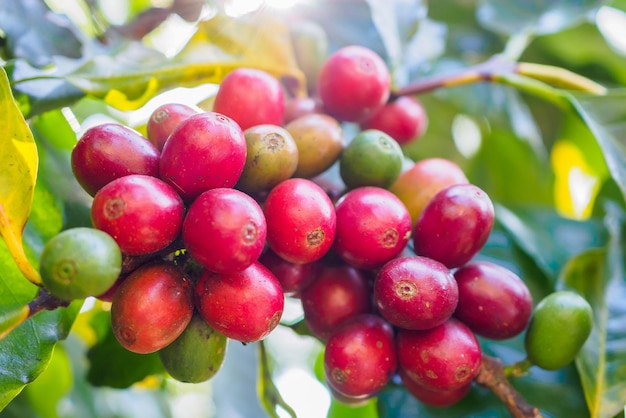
[
  {"x": 537, "y": 17},
  {"x": 598, "y": 274},
  {"x": 605, "y": 116}
]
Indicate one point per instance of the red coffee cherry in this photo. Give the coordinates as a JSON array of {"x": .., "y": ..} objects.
[
  {"x": 373, "y": 226},
  {"x": 404, "y": 119},
  {"x": 110, "y": 151},
  {"x": 337, "y": 294},
  {"x": 251, "y": 97},
  {"x": 224, "y": 230},
  {"x": 430, "y": 396},
  {"x": 353, "y": 83},
  {"x": 360, "y": 357},
  {"x": 205, "y": 151},
  {"x": 164, "y": 119},
  {"x": 415, "y": 292},
  {"x": 443, "y": 358},
  {"x": 151, "y": 307},
  {"x": 493, "y": 301},
  {"x": 292, "y": 277},
  {"x": 142, "y": 213},
  {"x": 301, "y": 220},
  {"x": 245, "y": 306},
  {"x": 455, "y": 225}
]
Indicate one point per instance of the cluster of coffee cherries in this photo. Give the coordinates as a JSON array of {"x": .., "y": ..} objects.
[{"x": 217, "y": 215}]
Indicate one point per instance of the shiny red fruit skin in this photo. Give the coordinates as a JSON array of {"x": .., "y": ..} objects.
[
  {"x": 446, "y": 357},
  {"x": 142, "y": 213},
  {"x": 251, "y": 97},
  {"x": 493, "y": 301},
  {"x": 164, "y": 119},
  {"x": 292, "y": 277},
  {"x": 353, "y": 83},
  {"x": 299, "y": 106},
  {"x": 404, "y": 119},
  {"x": 360, "y": 357},
  {"x": 224, "y": 230},
  {"x": 373, "y": 226},
  {"x": 415, "y": 292},
  {"x": 454, "y": 225},
  {"x": 151, "y": 307},
  {"x": 110, "y": 151},
  {"x": 301, "y": 220},
  {"x": 205, "y": 151},
  {"x": 245, "y": 306},
  {"x": 432, "y": 397},
  {"x": 336, "y": 295}
]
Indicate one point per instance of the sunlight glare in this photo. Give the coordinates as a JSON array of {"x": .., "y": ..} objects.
[{"x": 236, "y": 8}]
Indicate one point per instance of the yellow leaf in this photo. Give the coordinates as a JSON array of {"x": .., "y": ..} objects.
[{"x": 18, "y": 159}]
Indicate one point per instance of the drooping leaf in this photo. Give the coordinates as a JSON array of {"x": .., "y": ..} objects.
[
  {"x": 35, "y": 33},
  {"x": 18, "y": 157},
  {"x": 269, "y": 395},
  {"x": 605, "y": 116},
  {"x": 127, "y": 80},
  {"x": 112, "y": 365},
  {"x": 535, "y": 16},
  {"x": 599, "y": 274}
]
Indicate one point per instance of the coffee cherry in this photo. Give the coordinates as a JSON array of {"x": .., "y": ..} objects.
[
  {"x": 272, "y": 157},
  {"x": 319, "y": 139},
  {"x": 151, "y": 307},
  {"x": 164, "y": 119},
  {"x": 292, "y": 277},
  {"x": 301, "y": 221},
  {"x": 197, "y": 354},
  {"x": 80, "y": 262},
  {"x": 110, "y": 151},
  {"x": 416, "y": 186},
  {"x": 430, "y": 396},
  {"x": 337, "y": 294},
  {"x": 245, "y": 306},
  {"x": 493, "y": 301},
  {"x": 404, "y": 119},
  {"x": 558, "y": 328},
  {"x": 353, "y": 83},
  {"x": 372, "y": 158},
  {"x": 143, "y": 214},
  {"x": 250, "y": 97},
  {"x": 204, "y": 152},
  {"x": 415, "y": 292},
  {"x": 300, "y": 106},
  {"x": 373, "y": 226},
  {"x": 224, "y": 230},
  {"x": 360, "y": 357},
  {"x": 455, "y": 225},
  {"x": 443, "y": 358}
]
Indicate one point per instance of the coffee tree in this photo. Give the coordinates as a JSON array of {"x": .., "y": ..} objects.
[{"x": 422, "y": 204}]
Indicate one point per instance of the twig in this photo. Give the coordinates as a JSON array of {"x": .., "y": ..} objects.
[{"x": 492, "y": 376}]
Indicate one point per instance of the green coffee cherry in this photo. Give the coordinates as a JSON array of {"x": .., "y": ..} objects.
[
  {"x": 558, "y": 328},
  {"x": 196, "y": 355},
  {"x": 80, "y": 262}
]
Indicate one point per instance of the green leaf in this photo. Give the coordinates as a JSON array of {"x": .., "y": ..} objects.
[
  {"x": 549, "y": 239},
  {"x": 599, "y": 275},
  {"x": 605, "y": 116},
  {"x": 18, "y": 156},
  {"x": 535, "y": 16},
  {"x": 26, "y": 351},
  {"x": 112, "y": 365},
  {"x": 128, "y": 79},
  {"x": 35, "y": 33}
]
